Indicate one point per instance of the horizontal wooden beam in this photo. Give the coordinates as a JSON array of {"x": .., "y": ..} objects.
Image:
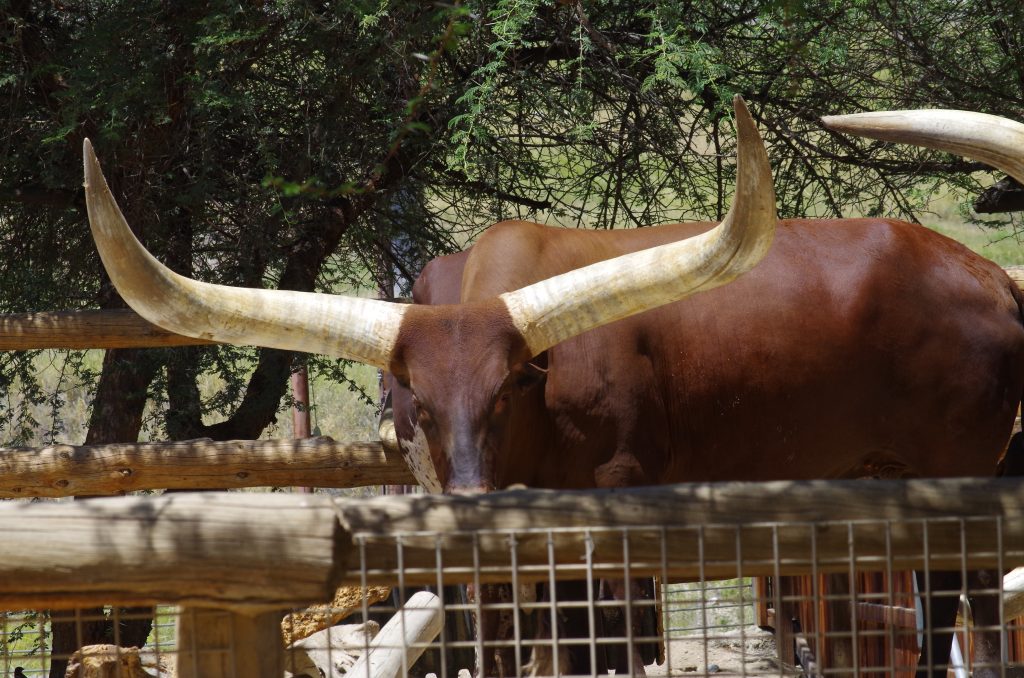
[
  {"x": 243, "y": 551},
  {"x": 84, "y": 330},
  {"x": 69, "y": 470},
  {"x": 273, "y": 550},
  {"x": 713, "y": 531},
  {"x": 119, "y": 328}
]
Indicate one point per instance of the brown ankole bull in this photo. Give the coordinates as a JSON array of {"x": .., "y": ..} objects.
[{"x": 588, "y": 359}]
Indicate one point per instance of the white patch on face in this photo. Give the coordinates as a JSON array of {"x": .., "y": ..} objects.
[{"x": 417, "y": 457}]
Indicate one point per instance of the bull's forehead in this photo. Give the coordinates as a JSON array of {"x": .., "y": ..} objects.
[{"x": 441, "y": 343}]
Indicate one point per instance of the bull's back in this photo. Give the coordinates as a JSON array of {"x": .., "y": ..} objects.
[{"x": 856, "y": 347}]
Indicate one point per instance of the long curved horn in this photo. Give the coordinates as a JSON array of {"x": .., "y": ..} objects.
[
  {"x": 562, "y": 307},
  {"x": 993, "y": 140},
  {"x": 346, "y": 327}
]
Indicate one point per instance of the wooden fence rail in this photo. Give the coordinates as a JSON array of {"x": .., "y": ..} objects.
[
  {"x": 84, "y": 330},
  {"x": 717, "y": 531},
  {"x": 123, "y": 328},
  {"x": 254, "y": 550},
  {"x": 70, "y": 470},
  {"x": 244, "y": 551}
]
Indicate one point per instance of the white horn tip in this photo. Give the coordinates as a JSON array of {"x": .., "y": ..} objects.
[
  {"x": 842, "y": 123},
  {"x": 745, "y": 126},
  {"x": 92, "y": 164}
]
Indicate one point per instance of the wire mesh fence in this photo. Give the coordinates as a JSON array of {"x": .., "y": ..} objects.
[
  {"x": 780, "y": 591},
  {"x": 27, "y": 641}
]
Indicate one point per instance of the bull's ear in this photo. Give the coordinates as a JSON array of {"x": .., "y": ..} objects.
[{"x": 532, "y": 373}]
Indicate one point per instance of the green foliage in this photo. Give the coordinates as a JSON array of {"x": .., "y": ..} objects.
[
  {"x": 338, "y": 145},
  {"x": 22, "y": 640}
]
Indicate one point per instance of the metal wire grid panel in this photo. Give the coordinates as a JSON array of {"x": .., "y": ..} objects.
[
  {"x": 853, "y": 615},
  {"x": 26, "y": 642}
]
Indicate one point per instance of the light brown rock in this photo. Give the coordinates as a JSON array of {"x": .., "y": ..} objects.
[{"x": 347, "y": 600}]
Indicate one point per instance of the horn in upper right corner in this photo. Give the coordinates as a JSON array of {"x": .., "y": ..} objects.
[{"x": 990, "y": 139}]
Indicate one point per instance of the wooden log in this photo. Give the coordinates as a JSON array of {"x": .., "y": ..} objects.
[
  {"x": 261, "y": 551},
  {"x": 224, "y": 644},
  {"x": 737, "y": 537},
  {"x": 68, "y": 470},
  {"x": 241, "y": 551},
  {"x": 330, "y": 653},
  {"x": 416, "y": 623},
  {"x": 84, "y": 330}
]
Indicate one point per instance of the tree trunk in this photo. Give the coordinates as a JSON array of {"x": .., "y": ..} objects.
[{"x": 116, "y": 417}]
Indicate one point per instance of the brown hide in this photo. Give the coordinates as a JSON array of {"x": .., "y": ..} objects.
[{"x": 856, "y": 344}]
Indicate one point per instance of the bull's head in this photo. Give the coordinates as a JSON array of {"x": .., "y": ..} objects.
[{"x": 462, "y": 361}]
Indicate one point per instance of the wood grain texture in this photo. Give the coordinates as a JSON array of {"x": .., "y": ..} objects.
[
  {"x": 242, "y": 551},
  {"x": 710, "y": 530},
  {"x": 68, "y": 470},
  {"x": 84, "y": 330},
  {"x": 259, "y": 551},
  {"x": 222, "y": 644}
]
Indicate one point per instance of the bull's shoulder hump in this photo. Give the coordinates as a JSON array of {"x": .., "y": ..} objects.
[
  {"x": 578, "y": 246},
  {"x": 441, "y": 279}
]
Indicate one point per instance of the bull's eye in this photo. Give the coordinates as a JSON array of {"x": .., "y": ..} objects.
[
  {"x": 422, "y": 414},
  {"x": 501, "y": 403}
]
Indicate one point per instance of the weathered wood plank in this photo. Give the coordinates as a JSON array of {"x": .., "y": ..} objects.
[
  {"x": 736, "y": 538},
  {"x": 243, "y": 551},
  {"x": 84, "y": 330},
  {"x": 248, "y": 550},
  {"x": 91, "y": 328},
  {"x": 223, "y": 644},
  {"x": 68, "y": 470}
]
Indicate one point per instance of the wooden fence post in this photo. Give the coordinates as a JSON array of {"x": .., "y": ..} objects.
[{"x": 223, "y": 644}]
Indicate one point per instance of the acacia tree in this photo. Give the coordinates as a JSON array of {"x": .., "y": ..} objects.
[
  {"x": 313, "y": 145},
  {"x": 323, "y": 145}
]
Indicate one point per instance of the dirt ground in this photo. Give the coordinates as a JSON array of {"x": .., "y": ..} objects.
[{"x": 732, "y": 653}]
